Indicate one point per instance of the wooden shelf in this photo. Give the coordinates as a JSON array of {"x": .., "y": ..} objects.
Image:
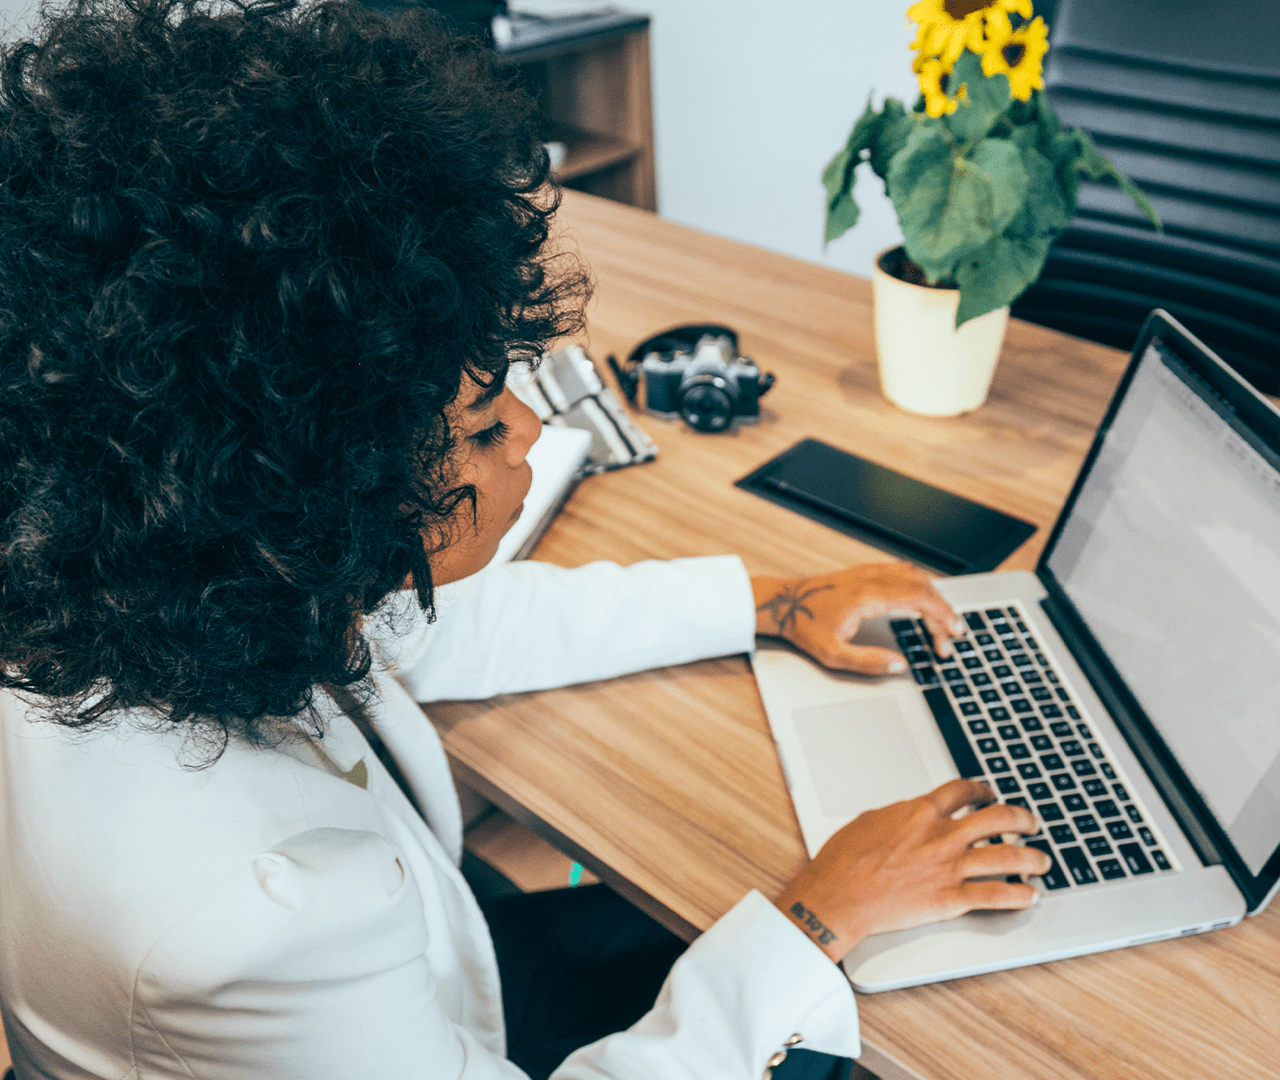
[{"x": 594, "y": 92}]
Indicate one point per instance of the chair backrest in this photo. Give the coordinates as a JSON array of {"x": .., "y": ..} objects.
[{"x": 1185, "y": 99}]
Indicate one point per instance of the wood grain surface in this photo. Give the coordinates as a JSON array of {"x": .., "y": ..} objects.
[{"x": 666, "y": 784}]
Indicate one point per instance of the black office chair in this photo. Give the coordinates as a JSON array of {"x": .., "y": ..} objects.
[{"x": 1186, "y": 101}]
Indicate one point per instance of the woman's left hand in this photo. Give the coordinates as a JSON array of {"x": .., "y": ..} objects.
[{"x": 820, "y": 614}]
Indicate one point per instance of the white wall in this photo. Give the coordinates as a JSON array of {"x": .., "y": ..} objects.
[
  {"x": 753, "y": 97},
  {"x": 16, "y": 15}
]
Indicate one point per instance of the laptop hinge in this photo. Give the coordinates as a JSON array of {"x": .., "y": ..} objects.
[{"x": 1151, "y": 757}]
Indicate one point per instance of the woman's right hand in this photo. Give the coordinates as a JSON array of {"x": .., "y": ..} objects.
[{"x": 913, "y": 863}]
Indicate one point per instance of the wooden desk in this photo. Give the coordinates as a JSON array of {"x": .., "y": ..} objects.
[{"x": 667, "y": 784}]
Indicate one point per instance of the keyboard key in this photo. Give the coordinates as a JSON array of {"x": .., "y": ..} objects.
[
  {"x": 1098, "y": 845},
  {"x": 995, "y": 656},
  {"x": 1013, "y": 689},
  {"x": 1134, "y": 814},
  {"x": 1071, "y": 748},
  {"x": 1158, "y": 858},
  {"x": 1055, "y": 878},
  {"x": 1073, "y": 712},
  {"x": 1086, "y": 823},
  {"x": 1042, "y": 742},
  {"x": 1040, "y": 693},
  {"x": 960, "y": 689},
  {"x": 1049, "y": 811},
  {"x": 984, "y": 640},
  {"x": 1062, "y": 694},
  {"x": 970, "y": 708},
  {"x": 1119, "y": 830},
  {"x": 1051, "y": 762},
  {"x": 917, "y": 656},
  {"x": 1031, "y": 642},
  {"x": 1030, "y": 722},
  {"x": 1032, "y": 677},
  {"x": 978, "y": 727},
  {"x": 1105, "y": 808},
  {"x": 1048, "y": 674},
  {"x": 1148, "y": 837},
  {"x": 1050, "y": 711},
  {"x": 995, "y": 613},
  {"x": 925, "y": 676},
  {"x": 1110, "y": 869},
  {"x": 1029, "y": 772},
  {"x": 1135, "y": 858},
  {"x": 997, "y": 764},
  {"x": 1078, "y": 863},
  {"x": 1096, "y": 751},
  {"x": 1041, "y": 660},
  {"x": 1018, "y": 800},
  {"x": 1020, "y": 659},
  {"x": 1018, "y": 751},
  {"x": 979, "y": 678},
  {"x": 953, "y": 674},
  {"x": 900, "y": 626},
  {"x": 963, "y": 647},
  {"x": 971, "y": 663},
  {"x": 1074, "y": 803},
  {"x": 1002, "y": 628},
  {"x": 1062, "y": 781},
  {"x": 1039, "y": 791},
  {"x": 1094, "y": 788},
  {"x": 1062, "y": 834},
  {"x": 1008, "y": 732},
  {"x": 989, "y": 695},
  {"x": 1002, "y": 671},
  {"x": 1007, "y": 785},
  {"x": 1085, "y": 733},
  {"x": 988, "y": 746},
  {"x": 1084, "y": 767},
  {"x": 1061, "y": 729},
  {"x": 1121, "y": 792},
  {"x": 1020, "y": 705},
  {"x": 998, "y": 713},
  {"x": 1106, "y": 770},
  {"x": 974, "y": 620}
]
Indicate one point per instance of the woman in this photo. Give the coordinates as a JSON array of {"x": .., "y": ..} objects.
[{"x": 262, "y": 272}]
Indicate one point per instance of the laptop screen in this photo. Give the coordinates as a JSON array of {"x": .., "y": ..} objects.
[{"x": 1171, "y": 555}]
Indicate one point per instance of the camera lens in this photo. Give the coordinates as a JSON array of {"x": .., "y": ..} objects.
[{"x": 707, "y": 404}]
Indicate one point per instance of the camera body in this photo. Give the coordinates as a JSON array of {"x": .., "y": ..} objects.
[{"x": 711, "y": 386}]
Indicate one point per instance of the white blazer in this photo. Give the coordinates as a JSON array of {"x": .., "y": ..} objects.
[{"x": 287, "y": 913}]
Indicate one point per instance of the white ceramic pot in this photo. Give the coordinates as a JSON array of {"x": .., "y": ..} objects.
[{"x": 927, "y": 366}]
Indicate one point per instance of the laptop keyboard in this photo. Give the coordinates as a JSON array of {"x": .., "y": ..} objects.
[{"x": 1010, "y": 719}]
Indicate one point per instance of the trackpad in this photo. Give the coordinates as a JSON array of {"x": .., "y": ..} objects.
[{"x": 860, "y": 755}]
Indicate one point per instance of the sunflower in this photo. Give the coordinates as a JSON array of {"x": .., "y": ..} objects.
[
  {"x": 933, "y": 76},
  {"x": 948, "y": 27},
  {"x": 1018, "y": 54}
]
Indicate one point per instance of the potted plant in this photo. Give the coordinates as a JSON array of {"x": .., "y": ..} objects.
[{"x": 983, "y": 179}]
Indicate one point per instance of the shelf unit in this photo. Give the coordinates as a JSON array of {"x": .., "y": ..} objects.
[{"x": 590, "y": 76}]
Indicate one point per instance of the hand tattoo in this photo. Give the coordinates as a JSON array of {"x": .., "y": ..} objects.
[
  {"x": 812, "y": 926},
  {"x": 786, "y": 607}
]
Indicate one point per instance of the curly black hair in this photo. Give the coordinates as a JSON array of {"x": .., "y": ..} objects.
[{"x": 248, "y": 254}]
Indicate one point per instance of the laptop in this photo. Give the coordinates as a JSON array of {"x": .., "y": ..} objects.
[{"x": 1128, "y": 691}]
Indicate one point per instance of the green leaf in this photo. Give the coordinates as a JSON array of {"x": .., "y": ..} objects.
[
  {"x": 1046, "y": 118},
  {"x": 1045, "y": 211},
  {"x": 842, "y": 215},
  {"x": 1000, "y": 162},
  {"x": 896, "y": 128},
  {"x": 997, "y": 275},
  {"x": 1098, "y": 166},
  {"x": 943, "y": 202},
  {"x": 985, "y": 100}
]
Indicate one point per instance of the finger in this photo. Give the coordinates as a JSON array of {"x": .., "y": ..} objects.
[
  {"x": 994, "y": 820},
  {"x": 1004, "y": 859},
  {"x": 957, "y": 794},
  {"x": 941, "y": 634},
  {"x": 926, "y": 600},
  {"x": 997, "y": 895},
  {"x": 864, "y": 659}
]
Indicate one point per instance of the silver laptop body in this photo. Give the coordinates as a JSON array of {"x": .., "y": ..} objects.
[{"x": 1153, "y": 619}]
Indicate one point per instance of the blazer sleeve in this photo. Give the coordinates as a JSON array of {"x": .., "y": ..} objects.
[
  {"x": 530, "y": 626},
  {"x": 310, "y": 964}
]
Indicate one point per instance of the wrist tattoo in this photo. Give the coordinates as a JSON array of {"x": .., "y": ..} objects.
[
  {"x": 788, "y": 606},
  {"x": 812, "y": 926}
]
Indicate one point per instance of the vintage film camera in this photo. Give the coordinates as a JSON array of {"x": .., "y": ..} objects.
[{"x": 695, "y": 372}]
